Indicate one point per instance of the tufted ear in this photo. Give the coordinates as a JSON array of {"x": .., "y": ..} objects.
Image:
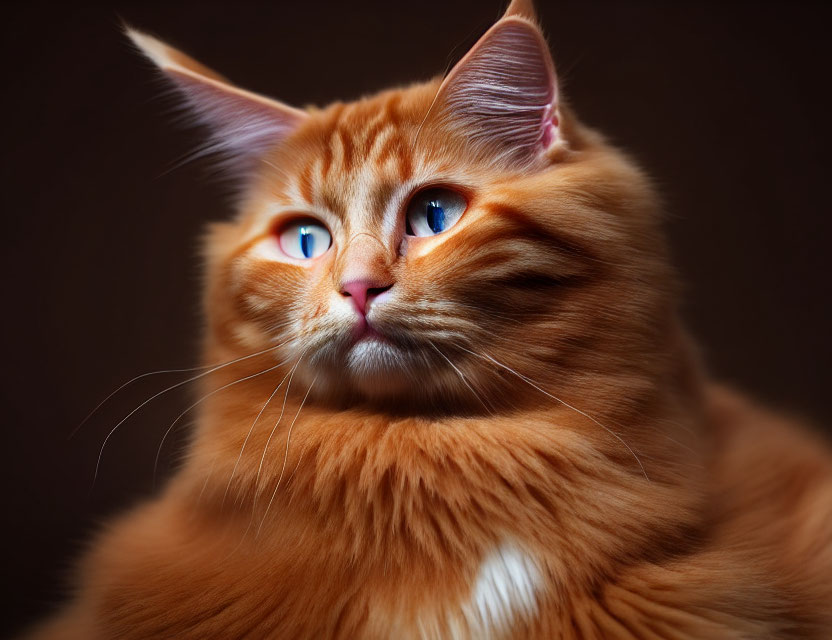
[
  {"x": 521, "y": 9},
  {"x": 243, "y": 125},
  {"x": 502, "y": 96}
]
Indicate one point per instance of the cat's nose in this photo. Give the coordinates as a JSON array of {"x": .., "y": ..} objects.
[
  {"x": 363, "y": 291},
  {"x": 363, "y": 271}
]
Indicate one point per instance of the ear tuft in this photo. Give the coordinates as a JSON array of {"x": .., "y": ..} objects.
[
  {"x": 243, "y": 125},
  {"x": 166, "y": 57},
  {"x": 521, "y": 9}
]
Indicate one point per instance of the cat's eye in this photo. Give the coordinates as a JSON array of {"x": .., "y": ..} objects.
[
  {"x": 433, "y": 211},
  {"x": 304, "y": 239}
]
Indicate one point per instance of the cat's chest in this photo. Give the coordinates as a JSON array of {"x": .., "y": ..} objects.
[
  {"x": 504, "y": 591},
  {"x": 502, "y": 595}
]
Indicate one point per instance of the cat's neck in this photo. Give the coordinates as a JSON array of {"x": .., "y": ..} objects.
[{"x": 381, "y": 486}]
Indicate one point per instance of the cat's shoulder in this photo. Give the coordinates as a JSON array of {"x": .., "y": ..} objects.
[{"x": 746, "y": 429}]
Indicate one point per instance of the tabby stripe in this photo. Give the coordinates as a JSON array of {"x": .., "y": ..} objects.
[
  {"x": 305, "y": 183},
  {"x": 527, "y": 225},
  {"x": 347, "y": 150},
  {"x": 332, "y": 125}
]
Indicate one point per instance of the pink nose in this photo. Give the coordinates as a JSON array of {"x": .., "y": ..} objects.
[{"x": 361, "y": 292}]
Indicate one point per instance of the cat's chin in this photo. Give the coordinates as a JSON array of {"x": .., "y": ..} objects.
[
  {"x": 378, "y": 368},
  {"x": 387, "y": 371},
  {"x": 372, "y": 367}
]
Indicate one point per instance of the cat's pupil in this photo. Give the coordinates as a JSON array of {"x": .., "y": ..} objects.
[
  {"x": 436, "y": 217},
  {"x": 307, "y": 242}
]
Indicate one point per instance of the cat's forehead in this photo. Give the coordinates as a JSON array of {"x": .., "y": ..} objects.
[{"x": 354, "y": 159}]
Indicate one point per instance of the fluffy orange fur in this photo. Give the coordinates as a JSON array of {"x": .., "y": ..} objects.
[{"x": 542, "y": 392}]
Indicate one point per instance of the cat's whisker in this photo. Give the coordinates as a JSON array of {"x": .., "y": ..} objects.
[
  {"x": 245, "y": 441},
  {"x": 425, "y": 119},
  {"x": 448, "y": 66},
  {"x": 674, "y": 423},
  {"x": 164, "y": 391},
  {"x": 182, "y": 160},
  {"x": 463, "y": 378},
  {"x": 497, "y": 336},
  {"x": 491, "y": 313},
  {"x": 207, "y": 478},
  {"x": 202, "y": 399},
  {"x": 684, "y": 446},
  {"x": 297, "y": 465},
  {"x": 274, "y": 428},
  {"x": 280, "y": 171},
  {"x": 212, "y": 367},
  {"x": 531, "y": 383},
  {"x": 240, "y": 543},
  {"x": 285, "y": 457}
]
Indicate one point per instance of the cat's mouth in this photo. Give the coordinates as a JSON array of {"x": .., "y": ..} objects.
[
  {"x": 380, "y": 355},
  {"x": 376, "y": 366},
  {"x": 364, "y": 330},
  {"x": 372, "y": 358},
  {"x": 373, "y": 352}
]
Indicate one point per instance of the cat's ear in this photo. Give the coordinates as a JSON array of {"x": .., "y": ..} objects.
[
  {"x": 521, "y": 9},
  {"x": 503, "y": 94},
  {"x": 243, "y": 125}
]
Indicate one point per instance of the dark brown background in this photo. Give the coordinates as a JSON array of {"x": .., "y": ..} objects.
[{"x": 726, "y": 105}]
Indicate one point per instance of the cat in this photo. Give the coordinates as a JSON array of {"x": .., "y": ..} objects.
[{"x": 447, "y": 393}]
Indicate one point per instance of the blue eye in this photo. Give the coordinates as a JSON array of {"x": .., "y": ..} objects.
[
  {"x": 304, "y": 239},
  {"x": 307, "y": 242},
  {"x": 433, "y": 211},
  {"x": 435, "y": 216}
]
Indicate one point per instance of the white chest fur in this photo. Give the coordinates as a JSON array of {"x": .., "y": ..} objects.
[
  {"x": 504, "y": 591},
  {"x": 503, "y": 594}
]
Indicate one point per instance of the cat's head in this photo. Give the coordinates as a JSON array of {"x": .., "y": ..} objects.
[{"x": 443, "y": 244}]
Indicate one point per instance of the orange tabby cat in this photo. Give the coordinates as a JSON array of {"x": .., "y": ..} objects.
[{"x": 448, "y": 394}]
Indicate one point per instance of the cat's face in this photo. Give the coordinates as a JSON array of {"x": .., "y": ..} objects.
[
  {"x": 427, "y": 246},
  {"x": 381, "y": 256}
]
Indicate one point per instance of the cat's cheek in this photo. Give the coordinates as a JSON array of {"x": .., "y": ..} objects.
[
  {"x": 249, "y": 335},
  {"x": 268, "y": 249},
  {"x": 340, "y": 312},
  {"x": 404, "y": 246},
  {"x": 262, "y": 294},
  {"x": 419, "y": 247},
  {"x": 382, "y": 299}
]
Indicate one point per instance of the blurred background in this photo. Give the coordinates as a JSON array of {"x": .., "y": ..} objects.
[{"x": 726, "y": 105}]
